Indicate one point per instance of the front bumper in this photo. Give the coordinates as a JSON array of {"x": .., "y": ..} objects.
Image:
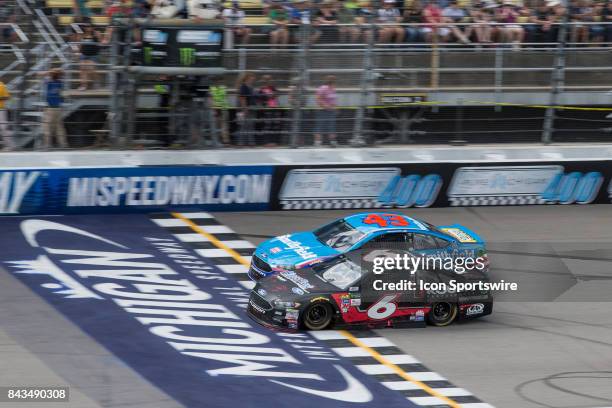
[{"x": 271, "y": 317}]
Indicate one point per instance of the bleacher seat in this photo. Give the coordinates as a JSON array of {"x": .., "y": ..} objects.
[{"x": 95, "y": 20}]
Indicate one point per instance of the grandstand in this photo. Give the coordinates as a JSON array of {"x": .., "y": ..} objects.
[{"x": 417, "y": 90}]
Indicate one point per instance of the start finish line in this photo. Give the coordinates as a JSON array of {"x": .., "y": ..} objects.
[{"x": 176, "y": 319}]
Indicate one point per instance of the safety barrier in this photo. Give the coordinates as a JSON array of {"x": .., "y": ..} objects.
[{"x": 496, "y": 178}]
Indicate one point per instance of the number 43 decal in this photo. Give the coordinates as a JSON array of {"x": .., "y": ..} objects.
[
  {"x": 386, "y": 219},
  {"x": 383, "y": 308}
]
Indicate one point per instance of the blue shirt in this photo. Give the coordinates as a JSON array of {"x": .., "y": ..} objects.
[{"x": 54, "y": 93}]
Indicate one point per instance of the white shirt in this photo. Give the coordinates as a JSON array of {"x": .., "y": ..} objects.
[{"x": 233, "y": 16}]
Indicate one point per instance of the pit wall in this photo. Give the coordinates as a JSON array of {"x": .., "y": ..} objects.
[{"x": 57, "y": 190}]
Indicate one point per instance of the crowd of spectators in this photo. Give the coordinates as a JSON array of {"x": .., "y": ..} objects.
[
  {"x": 461, "y": 21},
  {"x": 354, "y": 21}
]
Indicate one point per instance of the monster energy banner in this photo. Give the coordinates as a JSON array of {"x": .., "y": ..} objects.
[{"x": 182, "y": 47}]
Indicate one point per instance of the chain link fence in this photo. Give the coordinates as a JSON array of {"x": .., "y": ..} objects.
[{"x": 333, "y": 86}]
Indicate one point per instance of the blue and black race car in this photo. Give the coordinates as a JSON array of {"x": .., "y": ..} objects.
[{"x": 303, "y": 249}]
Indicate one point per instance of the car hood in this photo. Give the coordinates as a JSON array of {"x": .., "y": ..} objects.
[
  {"x": 296, "y": 250},
  {"x": 293, "y": 285}
]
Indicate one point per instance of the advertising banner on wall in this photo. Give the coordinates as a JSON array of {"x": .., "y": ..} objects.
[
  {"x": 441, "y": 184},
  {"x": 134, "y": 189},
  {"x": 167, "y": 46},
  {"x": 253, "y": 188}
]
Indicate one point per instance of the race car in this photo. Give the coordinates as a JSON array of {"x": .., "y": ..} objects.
[
  {"x": 338, "y": 293},
  {"x": 304, "y": 249}
]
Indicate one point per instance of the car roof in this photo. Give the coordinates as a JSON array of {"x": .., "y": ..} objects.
[{"x": 358, "y": 221}]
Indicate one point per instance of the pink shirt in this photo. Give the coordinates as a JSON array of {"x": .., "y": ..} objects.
[{"x": 326, "y": 96}]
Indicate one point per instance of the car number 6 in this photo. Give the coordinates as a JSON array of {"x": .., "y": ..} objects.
[{"x": 383, "y": 308}]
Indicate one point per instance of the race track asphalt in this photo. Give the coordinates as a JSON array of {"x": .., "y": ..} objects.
[{"x": 528, "y": 353}]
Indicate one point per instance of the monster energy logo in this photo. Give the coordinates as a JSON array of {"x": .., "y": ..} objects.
[
  {"x": 187, "y": 56},
  {"x": 148, "y": 55}
]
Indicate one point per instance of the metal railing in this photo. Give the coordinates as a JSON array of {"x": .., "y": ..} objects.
[{"x": 445, "y": 92}]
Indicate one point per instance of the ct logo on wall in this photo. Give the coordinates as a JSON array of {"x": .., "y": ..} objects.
[
  {"x": 373, "y": 187},
  {"x": 516, "y": 185}
]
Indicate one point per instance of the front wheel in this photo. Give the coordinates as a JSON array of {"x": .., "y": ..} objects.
[
  {"x": 317, "y": 316},
  {"x": 442, "y": 313}
]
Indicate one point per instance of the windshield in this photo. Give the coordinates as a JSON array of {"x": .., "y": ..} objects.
[
  {"x": 342, "y": 274},
  {"x": 338, "y": 235}
]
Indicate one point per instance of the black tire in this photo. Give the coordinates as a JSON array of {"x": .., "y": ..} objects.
[
  {"x": 442, "y": 313},
  {"x": 317, "y": 316}
]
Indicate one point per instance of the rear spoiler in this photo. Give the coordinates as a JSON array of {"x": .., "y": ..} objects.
[{"x": 461, "y": 234}]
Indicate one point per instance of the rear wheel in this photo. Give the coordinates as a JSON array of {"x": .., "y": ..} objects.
[
  {"x": 317, "y": 316},
  {"x": 442, "y": 313}
]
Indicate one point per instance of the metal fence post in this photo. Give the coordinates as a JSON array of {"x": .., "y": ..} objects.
[
  {"x": 21, "y": 102},
  {"x": 366, "y": 85},
  {"x": 499, "y": 74},
  {"x": 298, "y": 92},
  {"x": 557, "y": 81},
  {"x": 114, "y": 113}
]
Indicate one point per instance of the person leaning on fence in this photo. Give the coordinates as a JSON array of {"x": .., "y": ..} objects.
[
  {"x": 389, "y": 16},
  {"x": 279, "y": 33},
  {"x": 327, "y": 100},
  {"x": 5, "y": 132},
  {"x": 455, "y": 14},
  {"x": 245, "y": 117},
  {"x": 347, "y": 14},
  {"x": 303, "y": 15},
  {"x": 607, "y": 18},
  {"x": 327, "y": 20},
  {"x": 510, "y": 32},
  {"x": 434, "y": 30},
  {"x": 90, "y": 49},
  {"x": 270, "y": 114},
  {"x": 220, "y": 105},
  {"x": 413, "y": 15},
  {"x": 53, "y": 120},
  {"x": 234, "y": 16}
]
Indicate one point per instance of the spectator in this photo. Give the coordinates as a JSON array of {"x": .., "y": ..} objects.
[
  {"x": 303, "y": 15},
  {"x": 81, "y": 10},
  {"x": 455, "y": 14},
  {"x": 270, "y": 114},
  {"x": 202, "y": 9},
  {"x": 163, "y": 90},
  {"x": 413, "y": 14},
  {"x": 234, "y": 16},
  {"x": 327, "y": 100},
  {"x": 279, "y": 33},
  {"x": 90, "y": 49},
  {"x": 390, "y": 16},
  {"x": 7, "y": 15},
  {"x": 347, "y": 14},
  {"x": 246, "y": 114},
  {"x": 544, "y": 18},
  {"x": 607, "y": 18},
  {"x": 167, "y": 8},
  {"x": 220, "y": 105},
  {"x": 432, "y": 15},
  {"x": 482, "y": 26},
  {"x": 53, "y": 120},
  {"x": 366, "y": 15},
  {"x": 327, "y": 18},
  {"x": 5, "y": 132},
  {"x": 510, "y": 32},
  {"x": 592, "y": 13}
]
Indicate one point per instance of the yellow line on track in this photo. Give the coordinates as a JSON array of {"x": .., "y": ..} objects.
[
  {"x": 219, "y": 244},
  {"x": 382, "y": 360}
]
